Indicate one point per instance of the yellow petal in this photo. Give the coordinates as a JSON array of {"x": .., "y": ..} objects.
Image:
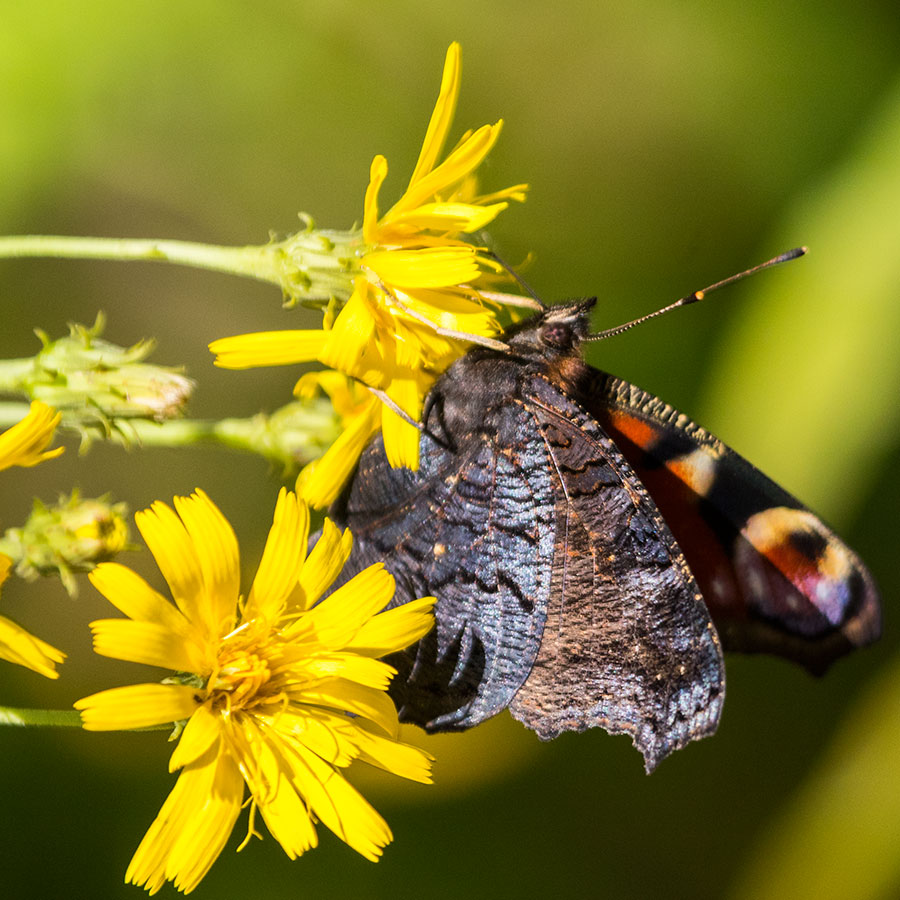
[
  {"x": 401, "y": 440},
  {"x": 144, "y": 642},
  {"x": 346, "y": 394},
  {"x": 394, "y": 629},
  {"x": 453, "y": 310},
  {"x": 282, "y": 559},
  {"x": 203, "y": 729},
  {"x": 335, "y": 693},
  {"x": 320, "y": 482},
  {"x": 407, "y": 348},
  {"x": 514, "y": 192},
  {"x": 284, "y": 812},
  {"x": 395, "y": 757},
  {"x": 349, "y": 337},
  {"x": 442, "y": 116},
  {"x": 460, "y": 163},
  {"x": 216, "y": 549},
  {"x": 24, "y": 444},
  {"x": 24, "y": 649},
  {"x": 268, "y": 348},
  {"x": 335, "y": 621},
  {"x": 137, "y": 706},
  {"x": 452, "y": 217},
  {"x": 338, "y": 805},
  {"x": 168, "y": 540},
  {"x": 192, "y": 827},
  {"x": 325, "y": 561},
  {"x": 128, "y": 592},
  {"x": 430, "y": 267},
  {"x": 325, "y": 733},
  {"x": 377, "y": 173},
  {"x": 360, "y": 669}
]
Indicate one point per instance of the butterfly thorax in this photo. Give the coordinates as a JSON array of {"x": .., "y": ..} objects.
[{"x": 546, "y": 345}]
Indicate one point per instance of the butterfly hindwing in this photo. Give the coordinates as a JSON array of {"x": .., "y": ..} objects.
[
  {"x": 776, "y": 579},
  {"x": 473, "y": 527},
  {"x": 628, "y": 644}
]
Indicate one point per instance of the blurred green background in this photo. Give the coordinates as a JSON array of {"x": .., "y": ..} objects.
[{"x": 667, "y": 145}]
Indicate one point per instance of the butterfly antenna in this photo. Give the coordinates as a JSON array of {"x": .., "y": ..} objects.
[
  {"x": 698, "y": 295},
  {"x": 484, "y": 237}
]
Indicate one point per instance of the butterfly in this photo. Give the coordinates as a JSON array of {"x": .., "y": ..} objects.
[{"x": 593, "y": 551}]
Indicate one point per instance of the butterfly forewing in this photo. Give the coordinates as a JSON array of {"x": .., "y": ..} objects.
[{"x": 774, "y": 576}]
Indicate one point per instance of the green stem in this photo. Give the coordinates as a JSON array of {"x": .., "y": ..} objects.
[
  {"x": 55, "y": 718},
  {"x": 172, "y": 433},
  {"x": 260, "y": 262},
  {"x": 13, "y": 373},
  {"x": 312, "y": 264},
  {"x": 291, "y": 443}
]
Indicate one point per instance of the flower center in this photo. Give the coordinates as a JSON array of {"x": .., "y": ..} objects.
[{"x": 241, "y": 680}]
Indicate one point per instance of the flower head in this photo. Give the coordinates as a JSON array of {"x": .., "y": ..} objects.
[
  {"x": 25, "y": 444},
  {"x": 276, "y": 691},
  {"x": 412, "y": 296}
]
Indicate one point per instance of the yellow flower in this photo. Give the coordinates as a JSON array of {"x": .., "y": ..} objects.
[
  {"x": 25, "y": 444},
  {"x": 276, "y": 691},
  {"x": 20, "y": 647},
  {"x": 415, "y": 283}
]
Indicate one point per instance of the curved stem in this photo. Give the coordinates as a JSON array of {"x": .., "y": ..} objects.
[{"x": 258, "y": 262}]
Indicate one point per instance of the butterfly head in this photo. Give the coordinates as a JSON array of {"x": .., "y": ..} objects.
[{"x": 556, "y": 332}]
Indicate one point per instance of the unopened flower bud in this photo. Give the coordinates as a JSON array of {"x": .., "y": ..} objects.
[
  {"x": 291, "y": 436},
  {"x": 92, "y": 381},
  {"x": 72, "y": 536}
]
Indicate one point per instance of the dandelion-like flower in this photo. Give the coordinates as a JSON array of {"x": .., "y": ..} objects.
[
  {"x": 413, "y": 283},
  {"x": 276, "y": 691},
  {"x": 25, "y": 444}
]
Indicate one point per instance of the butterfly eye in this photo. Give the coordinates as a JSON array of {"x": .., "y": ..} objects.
[{"x": 557, "y": 335}]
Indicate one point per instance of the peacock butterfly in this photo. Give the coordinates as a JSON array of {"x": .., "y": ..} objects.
[{"x": 593, "y": 551}]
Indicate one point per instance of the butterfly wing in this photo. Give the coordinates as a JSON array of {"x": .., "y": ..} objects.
[
  {"x": 473, "y": 527},
  {"x": 776, "y": 579},
  {"x": 561, "y": 592},
  {"x": 628, "y": 644}
]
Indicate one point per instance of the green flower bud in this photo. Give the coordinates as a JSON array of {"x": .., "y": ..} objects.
[
  {"x": 72, "y": 536},
  {"x": 291, "y": 436},
  {"x": 95, "y": 383}
]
